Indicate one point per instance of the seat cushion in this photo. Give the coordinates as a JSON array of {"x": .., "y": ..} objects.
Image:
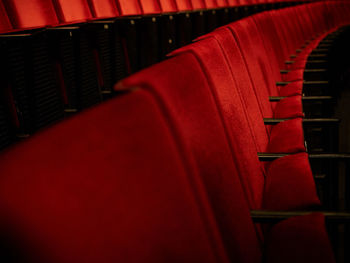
[
  {"x": 289, "y": 184},
  {"x": 301, "y": 239},
  {"x": 293, "y": 75},
  {"x": 290, "y": 107},
  {"x": 293, "y": 88},
  {"x": 287, "y": 137}
]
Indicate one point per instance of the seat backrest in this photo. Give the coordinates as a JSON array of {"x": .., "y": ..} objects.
[
  {"x": 210, "y": 4},
  {"x": 150, "y": 7},
  {"x": 30, "y": 13},
  {"x": 240, "y": 73},
  {"x": 103, "y": 8},
  {"x": 168, "y": 5},
  {"x": 129, "y": 7},
  {"x": 235, "y": 114},
  {"x": 222, "y": 3},
  {"x": 73, "y": 11},
  {"x": 5, "y": 24},
  {"x": 183, "y": 5},
  {"x": 109, "y": 185},
  {"x": 191, "y": 108},
  {"x": 257, "y": 63},
  {"x": 198, "y": 4}
]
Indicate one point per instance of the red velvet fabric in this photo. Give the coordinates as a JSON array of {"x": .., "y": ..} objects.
[
  {"x": 294, "y": 75},
  {"x": 104, "y": 8},
  {"x": 5, "y": 24},
  {"x": 210, "y": 4},
  {"x": 222, "y": 3},
  {"x": 191, "y": 109},
  {"x": 108, "y": 185},
  {"x": 290, "y": 185},
  {"x": 198, "y": 4},
  {"x": 291, "y": 89},
  {"x": 129, "y": 7},
  {"x": 183, "y": 5},
  {"x": 290, "y": 107},
  {"x": 168, "y": 5},
  {"x": 150, "y": 7},
  {"x": 299, "y": 239},
  {"x": 73, "y": 11},
  {"x": 287, "y": 137},
  {"x": 31, "y": 13},
  {"x": 252, "y": 136}
]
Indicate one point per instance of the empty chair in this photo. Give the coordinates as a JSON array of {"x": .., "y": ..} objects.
[
  {"x": 31, "y": 14},
  {"x": 178, "y": 88},
  {"x": 108, "y": 185}
]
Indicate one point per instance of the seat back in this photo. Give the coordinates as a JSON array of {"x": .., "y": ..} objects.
[
  {"x": 103, "y": 8},
  {"x": 5, "y": 24},
  {"x": 150, "y": 7},
  {"x": 259, "y": 69},
  {"x": 129, "y": 7},
  {"x": 183, "y": 5},
  {"x": 31, "y": 13},
  {"x": 109, "y": 185},
  {"x": 191, "y": 109},
  {"x": 168, "y": 5},
  {"x": 73, "y": 11},
  {"x": 235, "y": 114}
]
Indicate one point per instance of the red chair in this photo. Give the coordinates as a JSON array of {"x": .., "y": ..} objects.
[
  {"x": 93, "y": 189},
  {"x": 201, "y": 124}
]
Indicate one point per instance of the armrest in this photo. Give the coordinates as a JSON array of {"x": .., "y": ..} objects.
[
  {"x": 317, "y": 62},
  {"x": 282, "y": 83},
  {"x": 268, "y": 157},
  {"x": 259, "y": 216},
  {"x": 304, "y": 98},
  {"x": 315, "y": 83},
  {"x": 316, "y": 70},
  {"x": 317, "y": 55},
  {"x": 63, "y": 28},
  {"x": 320, "y": 49},
  {"x": 328, "y": 121}
]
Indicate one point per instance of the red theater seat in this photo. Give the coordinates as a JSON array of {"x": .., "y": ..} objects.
[
  {"x": 104, "y": 8},
  {"x": 5, "y": 24},
  {"x": 200, "y": 124},
  {"x": 31, "y": 13},
  {"x": 108, "y": 185},
  {"x": 73, "y": 11},
  {"x": 129, "y": 7}
]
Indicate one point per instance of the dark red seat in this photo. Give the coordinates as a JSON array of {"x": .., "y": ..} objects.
[
  {"x": 108, "y": 185},
  {"x": 201, "y": 126}
]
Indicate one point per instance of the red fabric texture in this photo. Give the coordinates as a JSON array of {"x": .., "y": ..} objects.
[
  {"x": 105, "y": 184},
  {"x": 129, "y": 7},
  {"x": 209, "y": 4},
  {"x": 5, "y": 24},
  {"x": 290, "y": 107},
  {"x": 73, "y": 11},
  {"x": 31, "y": 13},
  {"x": 291, "y": 89},
  {"x": 234, "y": 115},
  {"x": 299, "y": 239},
  {"x": 294, "y": 75},
  {"x": 198, "y": 4},
  {"x": 183, "y": 5},
  {"x": 168, "y": 5},
  {"x": 290, "y": 184},
  {"x": 287, "y": 136},
  {"x": 104, "y": 8},
  {"x": 201, "y": 128},
  {"x": 150, "y": 7}
]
